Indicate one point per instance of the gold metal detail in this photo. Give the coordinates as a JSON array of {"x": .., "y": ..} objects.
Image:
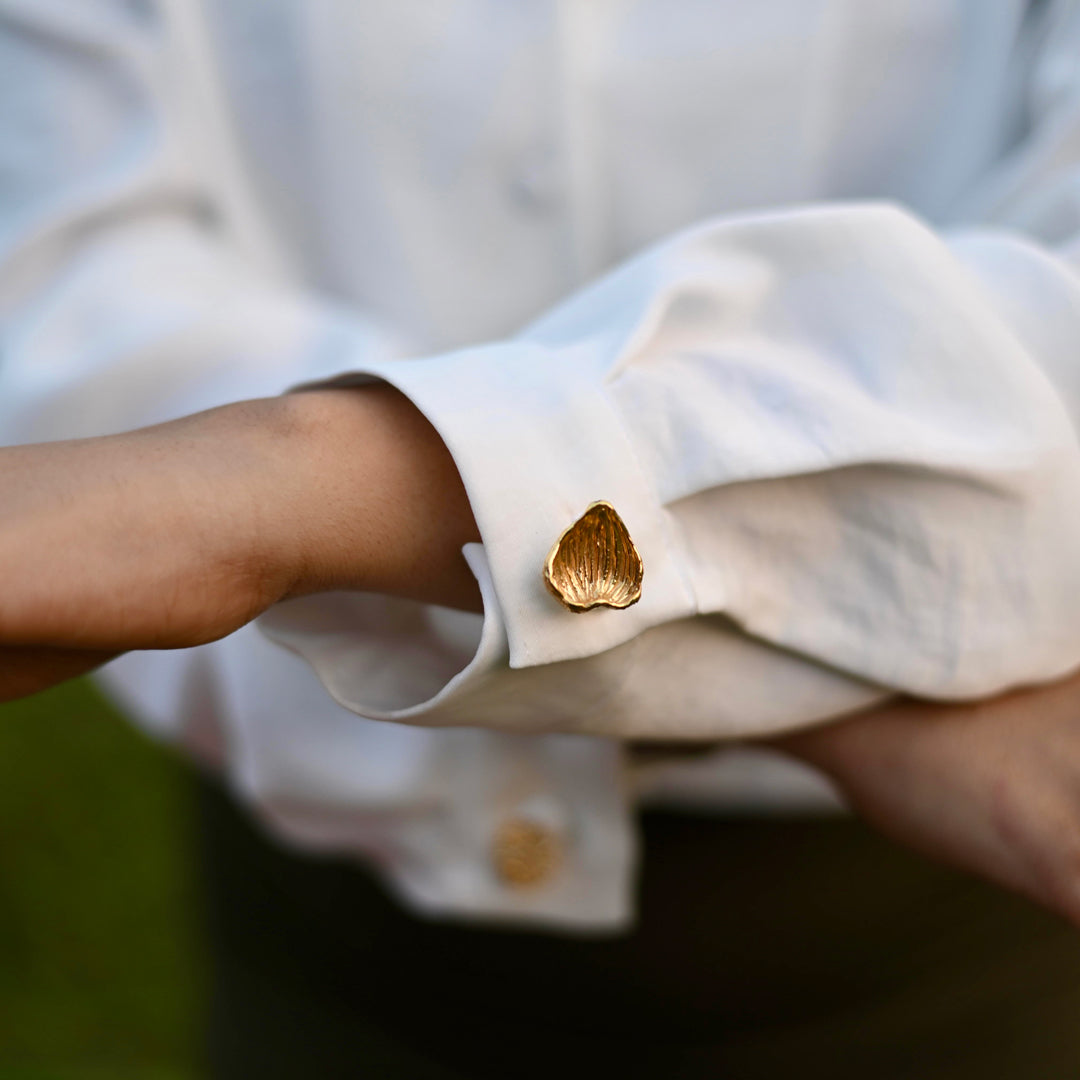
[
  {"x": 594, "y": 563},
  {"x": 525, "y": 852}
]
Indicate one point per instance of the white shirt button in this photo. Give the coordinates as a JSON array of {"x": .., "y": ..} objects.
[{"x": 536, "y": 184}]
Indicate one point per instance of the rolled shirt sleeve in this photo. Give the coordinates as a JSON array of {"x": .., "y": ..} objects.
[{"x": 819, "y": 425}]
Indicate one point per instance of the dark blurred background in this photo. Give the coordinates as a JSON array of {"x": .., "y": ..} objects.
[{"x": 101, "y": 962}]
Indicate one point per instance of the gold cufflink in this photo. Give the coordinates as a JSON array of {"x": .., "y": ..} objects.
[
  {"x": 594, "y": 563},
  {"x": 525, "y": 853}
]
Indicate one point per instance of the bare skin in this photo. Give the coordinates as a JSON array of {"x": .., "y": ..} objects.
[
  {"x": 179, "y": 534},
  {"x": 991, "y": 787}
]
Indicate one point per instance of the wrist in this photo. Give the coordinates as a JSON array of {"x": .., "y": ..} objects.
[{"x": 368, "y": 498}]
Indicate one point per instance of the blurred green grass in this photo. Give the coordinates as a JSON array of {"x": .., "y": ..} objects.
[{"x": 101, "y": 966}]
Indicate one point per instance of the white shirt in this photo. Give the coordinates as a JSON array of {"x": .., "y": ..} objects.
[{"x": 792, "y": 284}]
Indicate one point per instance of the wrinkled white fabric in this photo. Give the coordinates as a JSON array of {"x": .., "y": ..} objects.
[{"x": 834, "y": 398}]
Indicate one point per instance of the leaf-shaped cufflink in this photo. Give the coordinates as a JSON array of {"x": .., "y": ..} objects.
[{"x": 594, "y": 563}]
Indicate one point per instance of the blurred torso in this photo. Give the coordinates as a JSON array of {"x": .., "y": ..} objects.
[{"x": 456, "y": 168}]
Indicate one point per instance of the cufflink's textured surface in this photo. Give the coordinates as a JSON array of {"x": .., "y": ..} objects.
[
  {"x": 525, "y": 853},
  {"x": 594, "y": 563}
]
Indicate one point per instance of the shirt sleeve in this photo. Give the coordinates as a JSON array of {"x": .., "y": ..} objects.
[{"x": 843, "y": 441}]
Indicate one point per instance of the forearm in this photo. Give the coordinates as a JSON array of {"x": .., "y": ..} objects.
[{"x": 178, "y": 534}]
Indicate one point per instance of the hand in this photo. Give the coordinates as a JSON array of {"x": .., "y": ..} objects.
[
  {"x": 26, "y": 671},
  {"x": 991, "y": 787},
  {"x": 179, "y": 534}
]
